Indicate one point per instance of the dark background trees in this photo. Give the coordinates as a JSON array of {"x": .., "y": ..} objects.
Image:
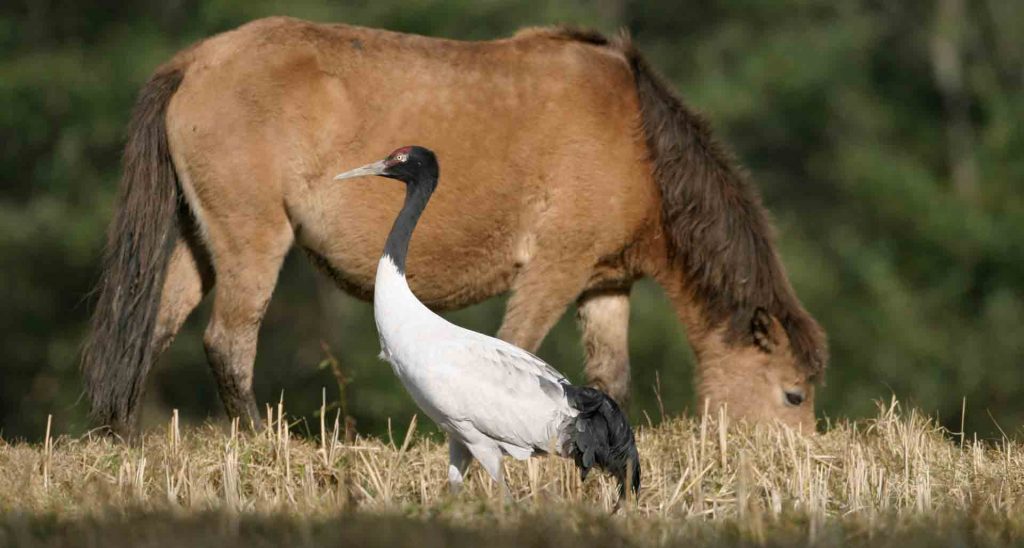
[{"x": 885, "y": 137}]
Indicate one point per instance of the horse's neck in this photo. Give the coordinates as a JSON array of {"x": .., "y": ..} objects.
[{"x": 704, "y": 335}]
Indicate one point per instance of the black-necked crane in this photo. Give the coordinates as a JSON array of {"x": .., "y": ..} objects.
[{"x": 491, "y": 397}]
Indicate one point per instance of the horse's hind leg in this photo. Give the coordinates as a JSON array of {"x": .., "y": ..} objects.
[
  {"x": 187, "y": 280},
  {"x": 247, "y": 258},
  {"x": 189, "y": 277},
  {"x": 604, "y": 322}
]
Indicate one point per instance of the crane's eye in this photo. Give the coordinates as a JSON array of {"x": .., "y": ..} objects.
[{"x": 401, "y": 157}]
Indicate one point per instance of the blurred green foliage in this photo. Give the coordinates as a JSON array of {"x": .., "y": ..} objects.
[{"x": 886, "y": 138}]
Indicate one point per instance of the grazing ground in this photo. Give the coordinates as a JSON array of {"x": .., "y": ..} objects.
[{"x": 895, "y": 480}]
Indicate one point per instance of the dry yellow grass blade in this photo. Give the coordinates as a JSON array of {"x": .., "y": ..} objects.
[{"x": 703, "y": 479}]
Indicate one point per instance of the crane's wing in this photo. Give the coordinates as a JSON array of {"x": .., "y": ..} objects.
[
  {"x": 510, "y": 355},
  {"x": 507, "y": 393}
]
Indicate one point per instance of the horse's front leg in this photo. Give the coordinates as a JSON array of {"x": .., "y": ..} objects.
[
  {"x": 540, "y": 294},
  {"x": 604, "y": 323}
]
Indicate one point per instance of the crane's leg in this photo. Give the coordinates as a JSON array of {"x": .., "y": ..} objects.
[
  {"x": 604, "y": 322},
  {"x": 489, "y": 455},
  {"x": 459, "y": 459}
]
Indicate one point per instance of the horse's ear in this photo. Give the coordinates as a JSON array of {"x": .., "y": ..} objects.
[{"x": 766, "y": 331}]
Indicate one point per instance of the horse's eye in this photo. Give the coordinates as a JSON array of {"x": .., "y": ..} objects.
[{"x": 794, "y": 398}]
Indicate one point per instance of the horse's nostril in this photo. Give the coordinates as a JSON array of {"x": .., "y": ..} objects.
[{"x": 794, "y": 398}]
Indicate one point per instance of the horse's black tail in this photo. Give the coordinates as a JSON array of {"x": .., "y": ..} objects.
[
  {"x": 119, "y": 349},
  {"x": 601, "y": 436}
]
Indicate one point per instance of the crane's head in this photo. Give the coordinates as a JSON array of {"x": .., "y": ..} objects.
[{"x": 412, "y": 165}]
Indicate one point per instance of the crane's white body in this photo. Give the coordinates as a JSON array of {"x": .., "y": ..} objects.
[{"x": 491, "y": 397}]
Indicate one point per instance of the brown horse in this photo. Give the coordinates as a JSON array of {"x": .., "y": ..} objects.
[{"x": 571, "y": 170}]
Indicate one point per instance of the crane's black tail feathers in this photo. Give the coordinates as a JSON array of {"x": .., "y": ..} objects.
[{"x": 601, "y": 436}]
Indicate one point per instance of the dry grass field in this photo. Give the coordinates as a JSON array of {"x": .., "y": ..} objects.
[{"x": 894, "y": 480}]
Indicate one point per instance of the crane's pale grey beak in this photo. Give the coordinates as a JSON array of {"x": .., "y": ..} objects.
[{"x": 376, "y": 168}]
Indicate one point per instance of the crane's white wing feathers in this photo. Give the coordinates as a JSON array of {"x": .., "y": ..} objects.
[{"x": 508, "y": 394}]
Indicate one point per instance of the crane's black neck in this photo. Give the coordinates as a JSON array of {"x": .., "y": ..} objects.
[{"x": 417, "y": 193}]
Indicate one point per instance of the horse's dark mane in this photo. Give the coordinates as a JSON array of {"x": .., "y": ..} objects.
[
  {"x": 571, "y": 34},
  {"x": 722, "y": 237}
]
